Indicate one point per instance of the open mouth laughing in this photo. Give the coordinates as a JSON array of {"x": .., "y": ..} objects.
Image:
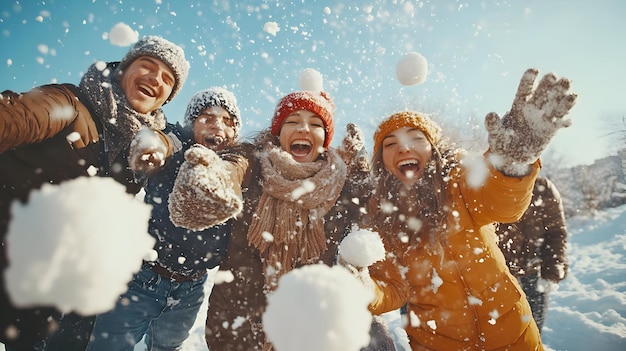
[
  {"x": 409, "y": 167},
  {"x": 213, "y": 140},
  {"x": 300, "y": 148},
  {"x": 146, "y": 90}
]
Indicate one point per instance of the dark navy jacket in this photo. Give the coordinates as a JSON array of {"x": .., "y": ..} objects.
[{"x": 181, "y": 250}]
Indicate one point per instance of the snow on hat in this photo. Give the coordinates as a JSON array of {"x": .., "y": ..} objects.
[
  {"x": 214, "y": 96},
  {"x": 407, "y": 119},
  {"x": 319, "y": 103},
  {"x": 164, "y": 50}
]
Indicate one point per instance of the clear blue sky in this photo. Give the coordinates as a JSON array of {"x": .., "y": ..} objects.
[{"x": 477, "y": 51}]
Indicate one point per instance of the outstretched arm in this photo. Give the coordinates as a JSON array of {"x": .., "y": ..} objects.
[
  {"x": 518, "y": 139},
  {"x": 207, "y": 189},
  {"x": 41, "y": 113}
]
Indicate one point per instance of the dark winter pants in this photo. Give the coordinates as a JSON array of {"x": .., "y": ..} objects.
[{"x": 538, "y": 300}]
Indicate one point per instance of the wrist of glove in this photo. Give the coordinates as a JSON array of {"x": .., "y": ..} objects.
[
  {"x": 518, "y": 139},
  {"x": 203, "y": 193},
  {"x": 147, "y": 152},
  {"x": 361, "y": 273}
]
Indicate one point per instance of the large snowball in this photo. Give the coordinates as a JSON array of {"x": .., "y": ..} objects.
[
  {"x": 311, "y": 80},
  {"x": 317, "y": 307},
  {"x": 412, "y": 69},
  {"x": 123, "y": 35},
  {"x": 361, "y": 248},
  {"x": 76, "y": 245}
]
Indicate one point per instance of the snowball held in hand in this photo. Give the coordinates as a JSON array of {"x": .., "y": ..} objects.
[
  {"x": 361, "y": 248},
  {"x": 412, "y": 69}
]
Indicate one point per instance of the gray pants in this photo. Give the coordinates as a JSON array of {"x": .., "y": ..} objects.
[{"x": 538, "y": 300}]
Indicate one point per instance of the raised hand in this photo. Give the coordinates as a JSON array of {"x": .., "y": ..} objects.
[
  {"x": 352, "y": 149},
  {"x": 518, "y": 139},
  {"x": 204, "y": 194},
  {"x": 147, "y": 152}
]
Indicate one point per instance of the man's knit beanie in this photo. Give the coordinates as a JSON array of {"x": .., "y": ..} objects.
[
  {"x": 407, "y": 119},
  {"x": 319, "y": 103},
  {"x": 214, "y": 96},
  {"x": 165, "y": 51}
]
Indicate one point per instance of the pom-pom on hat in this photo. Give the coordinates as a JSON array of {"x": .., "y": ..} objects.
[
  {"x": 319, "y": 103},
  {"x": 164, "y": 50},
  {"x": 407, "y": 119},
  {"x": 214, "y": 96}
]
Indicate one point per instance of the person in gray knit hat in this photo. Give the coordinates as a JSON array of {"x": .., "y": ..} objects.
[
  {"x": 212, "y": 122},
  {"x": 102, "y": 117},
  {"x": 163, "y": 50}
]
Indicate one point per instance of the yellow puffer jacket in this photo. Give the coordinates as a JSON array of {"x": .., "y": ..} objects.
[{"x": 462, "y": 296}]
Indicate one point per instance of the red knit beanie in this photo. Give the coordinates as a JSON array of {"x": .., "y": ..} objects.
[
  {"x": 407, "y": 119},
  {"x": 319, "y": 103}
]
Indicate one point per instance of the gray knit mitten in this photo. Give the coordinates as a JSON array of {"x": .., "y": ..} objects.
[
  {"x": 518, "y": 139},
  {"x": 203, "y": 193}
]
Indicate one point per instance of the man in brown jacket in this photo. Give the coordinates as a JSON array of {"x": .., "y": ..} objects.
[
  {"x": 535, "y": 247},
  {"x": 59, "y": 132}
]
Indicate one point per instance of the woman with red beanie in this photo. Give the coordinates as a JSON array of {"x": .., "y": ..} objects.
[
  {"x": 435, "y": 208},
  {"x": 298, "y": 203}
]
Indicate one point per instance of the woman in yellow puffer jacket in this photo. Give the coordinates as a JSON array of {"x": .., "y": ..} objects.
[{"x": 435, "y": 207}]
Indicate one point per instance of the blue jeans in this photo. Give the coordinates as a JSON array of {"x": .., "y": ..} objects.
[{"x": 157, "y": 307}]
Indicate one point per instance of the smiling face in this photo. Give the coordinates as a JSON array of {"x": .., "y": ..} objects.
[
  {"x": 147, "y": 84},
  {"x": 302, "y": 135},
  {"x": 405, "y": 153},
  {"x": 214, "y": 128}
]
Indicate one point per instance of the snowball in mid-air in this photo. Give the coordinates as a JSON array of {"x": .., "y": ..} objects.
[
  {"x": 123, "y": 35},
  {"x": 361, "y": 248},
  {"x": 76, "y": 245},
  {"x": 412, "y": 69},
  {"x": 331, "y": 307},
  {"x": 310, "y": 79},
  {"x": 271, "y": 28}
]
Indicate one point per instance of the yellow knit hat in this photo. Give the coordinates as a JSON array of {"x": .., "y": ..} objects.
[{"x": 407, "y": 119}]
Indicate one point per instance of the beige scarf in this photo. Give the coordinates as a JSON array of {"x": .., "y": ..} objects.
[{"x": 288, "y": 225}]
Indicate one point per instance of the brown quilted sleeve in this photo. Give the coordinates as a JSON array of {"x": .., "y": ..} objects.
[{"x": 41, "y": 113}]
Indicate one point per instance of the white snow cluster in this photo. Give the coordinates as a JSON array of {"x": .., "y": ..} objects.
[
  {"x": 310, "y": 79},
  {"x": 76, "y": 245},
  {"x": 412, "y": 69},
  {"x": 271, "y": 28},
  {"x": 317, "y": 307},
  {"x": 123, "y": 35},
  {"x": 361, "y": 248}
]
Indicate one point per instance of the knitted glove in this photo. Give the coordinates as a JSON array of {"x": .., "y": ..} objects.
[
  {"x": 203, "y": 193},
  {"x": 518, "y": 139},
  {"x": 148, "y": 151},
  {"x": 352, "y": 150}
]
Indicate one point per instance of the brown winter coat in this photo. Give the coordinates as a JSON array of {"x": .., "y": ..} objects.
[
  {"x": 537, "y": 242},
  {"x": 236, "y": 308},
  {"x": 460, "y": 293},
  {"x": 47, "y": 136}
]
